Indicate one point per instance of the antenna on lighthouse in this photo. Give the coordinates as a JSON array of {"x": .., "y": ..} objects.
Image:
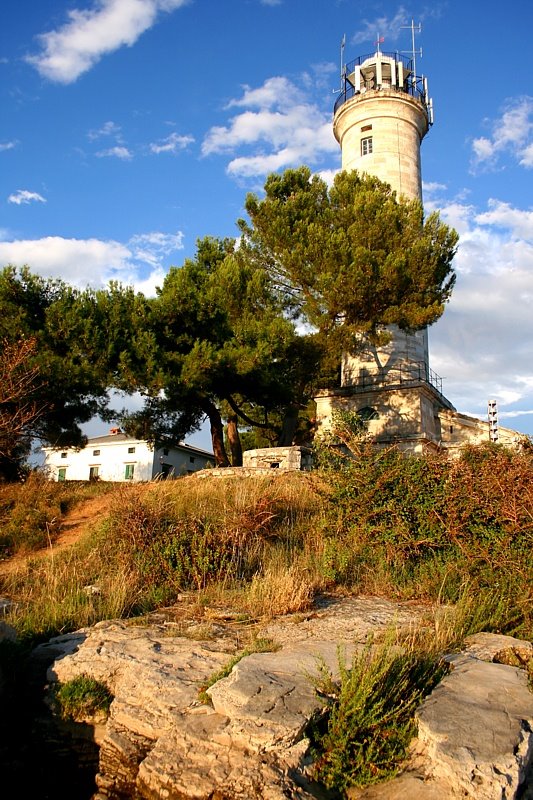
[
  {"x": 343, "y": 45},
  {"x": 414, "y": 29},
  {"x": 493, "y": 420}
]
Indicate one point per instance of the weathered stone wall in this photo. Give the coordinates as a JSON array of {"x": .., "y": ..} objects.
[
  {"x": 292, "y": 458},
  {"x": 399, "y": 123}
]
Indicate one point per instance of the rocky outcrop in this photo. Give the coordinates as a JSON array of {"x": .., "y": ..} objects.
[{"x": 160, "y": 741}]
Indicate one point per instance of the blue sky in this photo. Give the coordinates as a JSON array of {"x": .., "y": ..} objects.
[{"x": 132, "y": 127}]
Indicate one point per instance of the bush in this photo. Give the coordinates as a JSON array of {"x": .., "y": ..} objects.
[
  {"x": 81, "y": 698},
  {"x": 370, "y": 720}
]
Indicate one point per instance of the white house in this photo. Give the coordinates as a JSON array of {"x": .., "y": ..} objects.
[{"x": 117, "y": 457}]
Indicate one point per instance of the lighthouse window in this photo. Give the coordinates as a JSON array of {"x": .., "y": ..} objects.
[{"x": 366, "y": 146}]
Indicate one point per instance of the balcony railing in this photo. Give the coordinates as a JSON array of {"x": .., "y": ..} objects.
[
  {"x": 412, "y": 84},
  {"x": 413, "y": 372}
]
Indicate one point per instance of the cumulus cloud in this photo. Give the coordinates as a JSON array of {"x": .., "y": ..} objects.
[
  {"x": 89, "y": 34},
  {"x": 388, "y": 27},
  {"x": 281, "y": 129},
  {"x": 119, "y": 151},
  {"x": 511, "y": 134},
  {"x": 171, "y": 144},
  {"x": 23, "y": 196},
  {"x": 483, "y": 345},
  {"x": 109, "y": 128},
  {"x": 140, "y": 262}
]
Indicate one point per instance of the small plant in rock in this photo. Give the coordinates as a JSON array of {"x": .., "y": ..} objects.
[
  {"x": 369, "y": 720},
  {"x": 82, "y": 697}
]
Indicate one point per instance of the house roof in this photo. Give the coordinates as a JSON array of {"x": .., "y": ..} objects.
[{"x": 115, "y": 438}]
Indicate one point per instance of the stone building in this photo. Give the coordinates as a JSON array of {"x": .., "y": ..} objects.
[{"x": 380, "y": 118}]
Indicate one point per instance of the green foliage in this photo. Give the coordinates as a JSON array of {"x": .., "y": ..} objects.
[
  {"x": 69, "y": 386},
  {"x": 351, "y": 258},
  {"x": 429, "y": 526},
  {"x": 370, "y": 721},
  {"x": 82, "y": 697}
]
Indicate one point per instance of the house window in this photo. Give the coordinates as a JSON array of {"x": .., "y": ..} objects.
[
  {"x": 366, "y": 146},
  {"x": 63, "y": 455},
  {"x": 367, "y": 412},
  {"x": 165, "y": 451},
  {"x": 96, "y": 452},
  {"x": 191, "y": 459},
  {"x": 166, "y": 470},
  {"x": 128, "y": 473},
  {"x": 131, "y": 449},
  {"x": 62, "y": 474},
  {"x": 94, "y": 473}
]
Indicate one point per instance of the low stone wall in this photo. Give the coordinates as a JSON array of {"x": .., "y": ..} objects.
[{"x": 293, "y": 458}]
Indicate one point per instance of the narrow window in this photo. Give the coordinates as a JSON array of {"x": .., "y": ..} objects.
[
  {"x": 128, "y": 473},
  {"x": 191, "y": 459},
  {"x": 63, "y": 455},
  {"x": 367, "y": 413},
  {"x": 165, "y": 451},
  {"x": 366, "y": 146},
  {"x": 96, "y": 452},
  {"x": 366, "y": 128},
  {"x": 131, "y": 449},
  {"x": 94, "y": 473},
  {"x": 62, "y": 474}
]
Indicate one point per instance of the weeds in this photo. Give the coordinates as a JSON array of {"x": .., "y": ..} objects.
[
  {"x": 370, "y": 720},
  {"x": 81, "y": 698}
]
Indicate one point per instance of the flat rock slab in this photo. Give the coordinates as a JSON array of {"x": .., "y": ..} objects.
[{"x": 161, "y": 742}]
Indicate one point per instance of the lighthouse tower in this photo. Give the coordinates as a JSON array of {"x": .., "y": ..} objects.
[{"x": 381, "y": 116}]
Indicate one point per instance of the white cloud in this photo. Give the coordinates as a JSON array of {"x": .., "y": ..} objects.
[
  {"x": 502, "y": 215},
  {"x": 81, "y": 262},
  {"x": 23, "y": 196},
  {"x": 483, "y": 345},
  {"x": 389, "y": 28},
  {"x": 281, "y": 131},
  {"x": 151, "y": 247},
  {"x": 171, "y": 144},
  {"x": 8, "y": 145},
  {"x": 511, "y": 135},
  {"x": 109, "y": 128},
  {"x": 89, "y": 34},
  {"x": 116, "y": 152}
]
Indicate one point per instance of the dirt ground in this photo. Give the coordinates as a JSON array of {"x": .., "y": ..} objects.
[{"x": 73, "y": 526}]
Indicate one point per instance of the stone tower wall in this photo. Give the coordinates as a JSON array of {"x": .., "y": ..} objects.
[{"x": 399, "y": 123}]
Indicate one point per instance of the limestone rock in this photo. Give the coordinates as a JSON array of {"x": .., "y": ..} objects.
[{"x": 160, "y": 742}]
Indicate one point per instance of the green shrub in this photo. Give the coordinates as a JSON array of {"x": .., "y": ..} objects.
[
  {"x": 370, "y": 720},
  {"x": 82, "y": 697}
]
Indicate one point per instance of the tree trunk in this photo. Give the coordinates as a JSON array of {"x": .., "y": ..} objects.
[
  {"x": 234, "y": 441},
  {"x": 217, "y": 434},
  {"x": 290, "y": 424}
]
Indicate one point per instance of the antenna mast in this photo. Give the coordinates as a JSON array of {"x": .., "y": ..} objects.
[
  {"x": 414, "y": 29},
  {"x": 493, "y": 421},
  {"x": 343, "y": 45}
]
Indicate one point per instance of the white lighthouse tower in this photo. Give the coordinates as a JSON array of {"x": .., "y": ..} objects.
[{"x": 381, "y": 115}]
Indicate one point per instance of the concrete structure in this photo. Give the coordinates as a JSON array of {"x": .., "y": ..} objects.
[
  {"x": 117, "y": 457},
  {"x": 381, "y": 116},
  {"x": 284, "y": 458}
]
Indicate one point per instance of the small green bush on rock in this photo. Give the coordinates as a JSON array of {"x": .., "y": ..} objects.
[{"x": 82, "y": 697}]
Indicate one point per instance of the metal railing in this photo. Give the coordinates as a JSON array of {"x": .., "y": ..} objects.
[
  {"x": 413, "y": 372},
  {"x": 412, "y": 85}
]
